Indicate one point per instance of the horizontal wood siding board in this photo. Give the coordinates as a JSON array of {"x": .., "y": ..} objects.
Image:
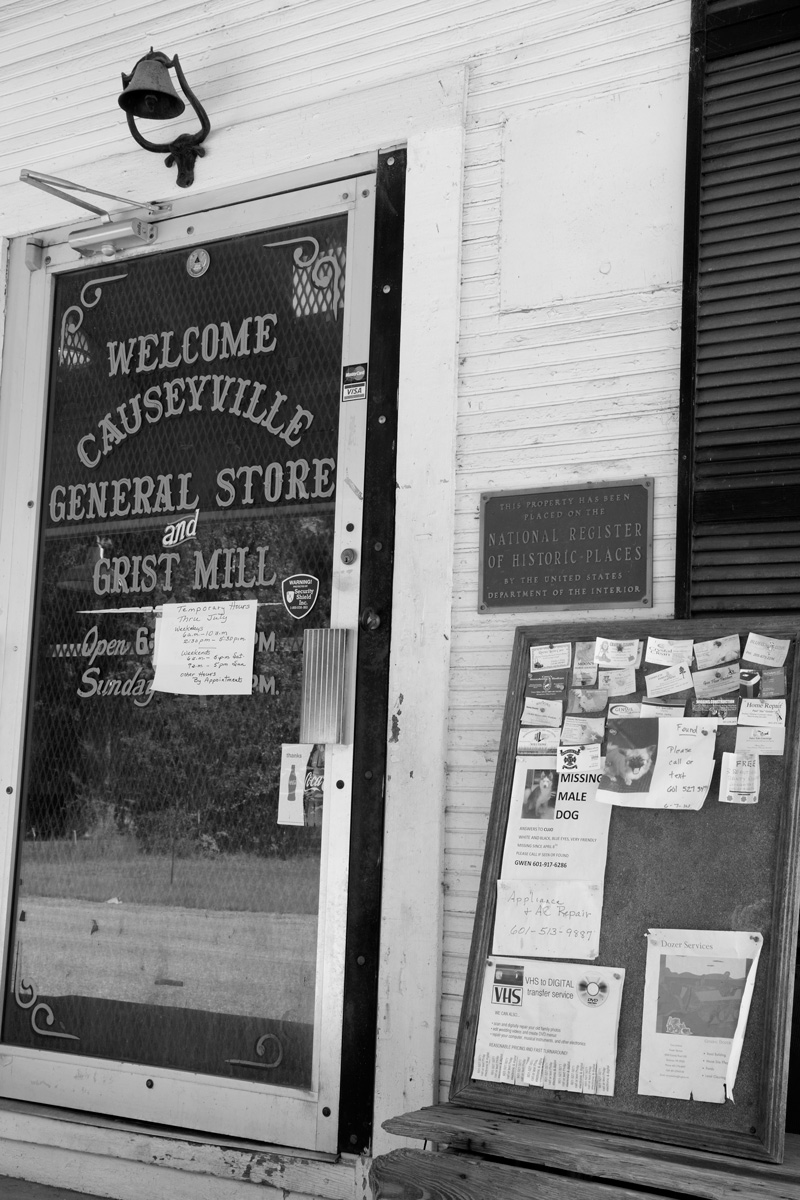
[
  {"x": 745, "y": 559},
  {"x": 757, "y": 279},
  {"x": 727, "y": 441},
  {"x": 742, "y": 605},
  {"x": 755, "y": 529},
  {"x": 755, "y": 586},
  {"x": 754, "y": 447},
  {"x": 747, "y": 540},
  {"x": 728, "y": 571},
  {"x": 777, "y": 478},
  {"x": 729, "y": 164},
  {"x": 766, "y": 33},
  {"x": 763, "y": 89},
  {"x": 730, "y": 188},
  {"x": 751, "y": 504},
  {"x": 750, "y": 411},
  {"x": 788, "y": 467},
  {"x": 740, "y": 311},
  {"x": 755, "y": 392},
  {"x": 776, "y": 336},
  {"x": 746, "y": 374},
  {"x": 737, "y": 222}
]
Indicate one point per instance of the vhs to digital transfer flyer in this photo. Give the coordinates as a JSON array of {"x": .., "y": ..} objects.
[
  {"x": 697, "y": 992},
  {"x": 549, "y": 1024}
]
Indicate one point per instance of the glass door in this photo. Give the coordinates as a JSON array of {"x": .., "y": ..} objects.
[{"x": 181, "y": 867}]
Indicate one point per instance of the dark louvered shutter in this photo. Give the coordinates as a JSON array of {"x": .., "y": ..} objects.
[{"x": 744, "y": 425}]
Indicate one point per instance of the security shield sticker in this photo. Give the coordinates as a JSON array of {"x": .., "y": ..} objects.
[{"x": 299, "y": 593}]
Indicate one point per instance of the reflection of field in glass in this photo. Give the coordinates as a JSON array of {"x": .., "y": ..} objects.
[{"x": 114, "y": 869}]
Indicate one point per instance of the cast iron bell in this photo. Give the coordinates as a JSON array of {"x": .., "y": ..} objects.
[
  {"x": 148, "y": 90},
  {"x": 149, "y": 93}
]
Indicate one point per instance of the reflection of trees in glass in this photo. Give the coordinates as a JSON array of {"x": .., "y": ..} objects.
[{"x": 181, "y": 773}]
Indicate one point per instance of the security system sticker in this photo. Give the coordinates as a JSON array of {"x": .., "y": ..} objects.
[
  {"x": 354, "y": 382},
  {"x": 299, "y": 593}
]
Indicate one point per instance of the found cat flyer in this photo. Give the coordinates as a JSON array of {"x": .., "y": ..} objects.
[
  {"x": 658, "y": 762},
  {"x": 556, "y": 829},
  {"x": 697, "y": 992},
  {"x": 549, "y": 1024}
]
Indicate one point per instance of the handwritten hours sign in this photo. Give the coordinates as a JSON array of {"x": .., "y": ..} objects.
[{"x": 588, "y": 546}]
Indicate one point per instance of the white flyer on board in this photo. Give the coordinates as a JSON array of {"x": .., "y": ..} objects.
[
  {"x": 697, "y": 992},
  {"x": 548, "y": 918},
  {"x": 766, "y": 651},
  {"x": 608, "y": 653},
  {"x": 658, "y": 762},
  {"x": 740, "y": 779},
  {"x": 551, "y": 657},
  {"x": 556, "y": 828},
  {"x": 716, "y": 651},
  {"x": 206, "y": 649},
  {"x": 549, "y": 1024},
  {"x": 667, "y": 653}
]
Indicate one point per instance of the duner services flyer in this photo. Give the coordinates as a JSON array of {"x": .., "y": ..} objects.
[
  {"x": 549, "y": 1024},
  {"x": 697, "y": 993}
]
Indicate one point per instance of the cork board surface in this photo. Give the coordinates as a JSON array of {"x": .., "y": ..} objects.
[{"x": 724, "y": 867}]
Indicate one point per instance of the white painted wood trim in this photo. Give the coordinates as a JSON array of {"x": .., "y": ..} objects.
[{"x": 410, "y": 970}]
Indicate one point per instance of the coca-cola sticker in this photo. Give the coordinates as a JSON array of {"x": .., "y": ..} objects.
[{"x": 299, "y": 594}]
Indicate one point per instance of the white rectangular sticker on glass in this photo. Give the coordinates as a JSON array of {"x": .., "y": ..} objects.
[
  {"x": 294, "y": 761},
  {"x": 354, "y": 382}
]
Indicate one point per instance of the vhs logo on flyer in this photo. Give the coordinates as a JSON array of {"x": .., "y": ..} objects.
[{"x": 508, "y": 984}]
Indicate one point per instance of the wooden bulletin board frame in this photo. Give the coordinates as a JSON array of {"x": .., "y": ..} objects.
[{"x": 723, "y": 867}]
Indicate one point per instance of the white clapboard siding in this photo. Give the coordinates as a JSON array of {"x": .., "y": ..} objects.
[{"x": 577, "y": 391}]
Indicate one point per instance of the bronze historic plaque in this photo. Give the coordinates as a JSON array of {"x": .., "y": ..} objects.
[{"x": 588, "y": 546}]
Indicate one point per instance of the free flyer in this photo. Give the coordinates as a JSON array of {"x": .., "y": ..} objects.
[{"x": 549, "y": 1024}]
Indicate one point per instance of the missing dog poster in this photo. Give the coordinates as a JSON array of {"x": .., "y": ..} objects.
[
  {"x": 697, "y": 993},
  {"x": 556, "y": 829},
  {"x": 549, "y": 1024},
  {"x": 658, "y": 762}
]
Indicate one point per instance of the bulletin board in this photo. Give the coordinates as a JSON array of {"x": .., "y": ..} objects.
[{"x": 720, "y": 867}]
